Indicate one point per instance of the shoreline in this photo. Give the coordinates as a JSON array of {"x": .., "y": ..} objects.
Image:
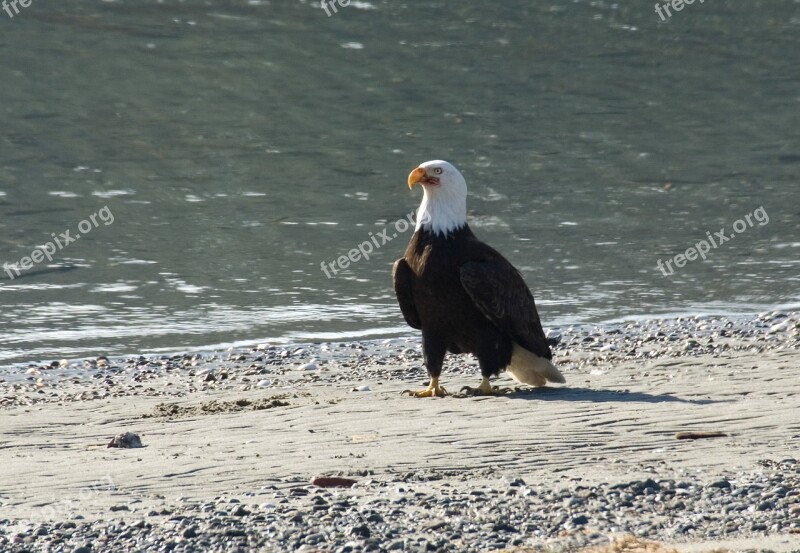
[
  {"x": 578, "y": 346},
  {"x": 232, "y": 440},
  {"x": 377, "y": 336}
]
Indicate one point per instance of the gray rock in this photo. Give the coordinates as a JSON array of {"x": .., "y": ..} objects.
[
  {"x": 721, "y": 484},
  {"x": 126, "y": 440},
  {"x": 765, "y": 506},
  {"x": 580, "y": 520},
  {"x": 240, "y": 511}
]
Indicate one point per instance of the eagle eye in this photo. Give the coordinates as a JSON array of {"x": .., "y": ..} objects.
[{"x": 437, "y": 171}]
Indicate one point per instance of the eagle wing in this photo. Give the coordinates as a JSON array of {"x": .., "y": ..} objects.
[
  {"x": 500, "y": 293},
  {"x": 401, "y": 275}
]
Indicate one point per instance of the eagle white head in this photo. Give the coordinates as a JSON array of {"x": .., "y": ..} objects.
[{"x": 444, "y": 204}]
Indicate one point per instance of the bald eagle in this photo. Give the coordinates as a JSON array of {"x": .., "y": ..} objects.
[{"x": 463, "y": 295}]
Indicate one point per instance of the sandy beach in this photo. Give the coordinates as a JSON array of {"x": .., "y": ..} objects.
[{"x": 232, "y": 440}]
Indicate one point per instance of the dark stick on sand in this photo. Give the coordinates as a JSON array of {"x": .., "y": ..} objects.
[{"x": 699, "y": 435}]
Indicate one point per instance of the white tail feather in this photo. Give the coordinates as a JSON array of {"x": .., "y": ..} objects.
[{"x": 528, "y": 368}]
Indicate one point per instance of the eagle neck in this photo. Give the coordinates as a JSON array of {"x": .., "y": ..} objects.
[{"x": 441, "y": 213}]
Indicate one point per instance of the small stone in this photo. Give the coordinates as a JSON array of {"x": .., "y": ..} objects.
[
  {"x": 190, "y": 532},
  {"x": 647, "y": 487},
  {"x": 503, "y": 527},
  {"x": 780, "y": 327},
  {"x": 240, "y": 511},
  {"x": 312, "y": 539},
  {"x": 332, "y": 482},
  {"x": 580, "y": 520},
  {"x": 126, "y": 440},
  {"x": 765, "y": 506},
  {"x": 721, "y": 484},
  {"x": 362, "y": 531}
]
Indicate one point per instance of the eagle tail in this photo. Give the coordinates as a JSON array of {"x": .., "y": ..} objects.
[{"x": 528, "y": 368}]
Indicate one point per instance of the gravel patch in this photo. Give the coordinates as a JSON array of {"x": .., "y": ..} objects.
[{"x": 440, "y": 511}]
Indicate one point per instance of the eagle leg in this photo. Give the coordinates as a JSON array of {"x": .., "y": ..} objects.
[
  {"x": 433, "y": 390},
  {"x": 485, "y": 389}
]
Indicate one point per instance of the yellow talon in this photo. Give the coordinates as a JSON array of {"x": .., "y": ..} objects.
[
  {"x": 433, "y": 390},
  {"x": 486, "y": 389}
]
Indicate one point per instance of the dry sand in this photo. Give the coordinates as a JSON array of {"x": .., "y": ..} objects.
[{"x": 613, "y": 423}]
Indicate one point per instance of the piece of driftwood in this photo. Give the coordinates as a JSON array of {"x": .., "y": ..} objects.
[
  {"x": 699, "y": 435},
  {"x": 332, "y": 482}
]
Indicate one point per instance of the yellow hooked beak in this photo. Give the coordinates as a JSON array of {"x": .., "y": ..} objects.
[{"x": 416, "y": 175}]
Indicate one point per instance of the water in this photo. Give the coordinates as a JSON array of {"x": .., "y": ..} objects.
[{"x": 238, "y": 145}]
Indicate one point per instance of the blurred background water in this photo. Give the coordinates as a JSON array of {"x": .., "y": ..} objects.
[{"x": 239, "y": 144}]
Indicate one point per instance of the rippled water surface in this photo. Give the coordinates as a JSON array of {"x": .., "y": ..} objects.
[{"x": 237, "y": 145}]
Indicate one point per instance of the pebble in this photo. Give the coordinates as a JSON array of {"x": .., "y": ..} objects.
[
  {"x": 126, "y": 440},
  {"x": 332, "y": 482},
  {"x": 781, "y": 327}
]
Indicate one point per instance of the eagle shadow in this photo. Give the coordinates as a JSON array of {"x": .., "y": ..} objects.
[{"x": 591, "y": 395}]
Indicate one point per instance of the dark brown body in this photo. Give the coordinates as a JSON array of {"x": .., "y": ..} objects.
[{"x": 466, "y": 298}]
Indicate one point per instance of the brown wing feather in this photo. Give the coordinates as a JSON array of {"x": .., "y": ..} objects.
[
  {"x": 500, "y": 293},
  {"x": 401, "y": 275}
]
